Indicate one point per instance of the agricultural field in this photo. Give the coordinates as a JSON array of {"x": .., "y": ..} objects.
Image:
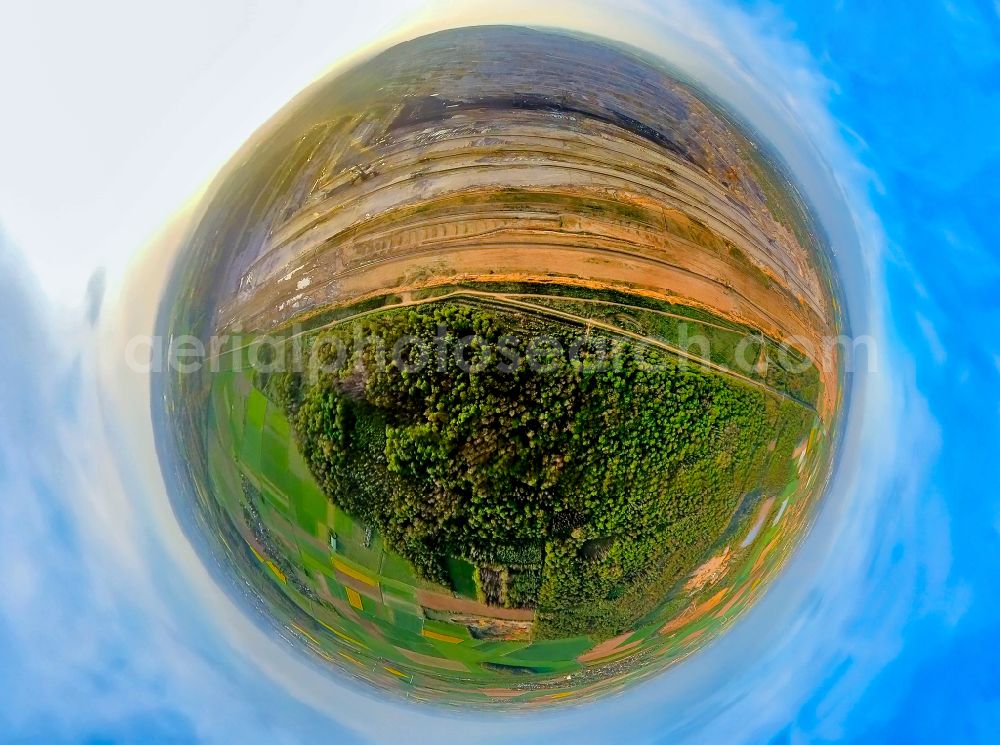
[{"x": 354, "y": 600}]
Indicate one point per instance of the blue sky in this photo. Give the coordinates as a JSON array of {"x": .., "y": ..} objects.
[
  {"x": 921, "y": 90},
  {"x": 883, "y": 627}
]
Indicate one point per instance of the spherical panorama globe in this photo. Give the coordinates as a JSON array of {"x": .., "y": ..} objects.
[{"x": 518, "y": 385}]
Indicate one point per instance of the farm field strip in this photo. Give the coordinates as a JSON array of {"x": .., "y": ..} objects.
[
  {"x": 434, "y": 631},
  {"x": 514, "y": 300},
  {"x": 345, "y": 633}
]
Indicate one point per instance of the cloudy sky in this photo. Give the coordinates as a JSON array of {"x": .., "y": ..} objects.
[{"x": 881, "y": 629}]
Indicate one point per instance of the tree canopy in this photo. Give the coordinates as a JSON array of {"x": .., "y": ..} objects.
[{"x": 583, "y": 484}]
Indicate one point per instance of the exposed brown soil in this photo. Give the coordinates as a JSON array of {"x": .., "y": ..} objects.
[
  {"x": 608, "y": 648},
  {"x": 386, "y": 200},
  {"x": 693, "y": 612},
  {"x": 464, "y": 606},
  {"x": 765, "y": 553},
  {"x": 710, "y": 572},
  {"x": 495, "y": 629}
]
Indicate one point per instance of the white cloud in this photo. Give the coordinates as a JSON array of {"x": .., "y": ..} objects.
[
  {"x": 931, "y": 337},
  {"x": 129, "y": 599}
]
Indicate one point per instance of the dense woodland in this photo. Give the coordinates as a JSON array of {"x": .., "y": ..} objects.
[{"x": 586, "y": 489}]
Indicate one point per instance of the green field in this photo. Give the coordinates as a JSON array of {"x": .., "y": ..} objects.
[
  {"x": 363, "y": 605},
  {"x": 321, "y": 557}
]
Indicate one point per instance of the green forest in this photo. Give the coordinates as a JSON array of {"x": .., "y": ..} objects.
[{"x": 584, "y": 485}]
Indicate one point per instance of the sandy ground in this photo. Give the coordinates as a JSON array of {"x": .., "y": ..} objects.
[
  {"x": 449, "y": 603},
  {"x": 608, "y": 648},
  {"x": 710, "y": 572},
  {"x": 529, "y": 198},
  {"x": 693, "y": 612}
]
